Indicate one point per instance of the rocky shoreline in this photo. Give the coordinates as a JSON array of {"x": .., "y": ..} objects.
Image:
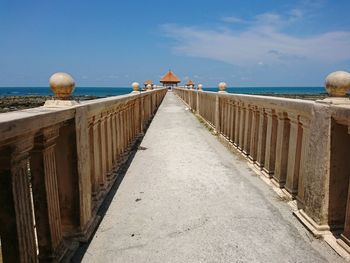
[{"x": 13, "y": 103}]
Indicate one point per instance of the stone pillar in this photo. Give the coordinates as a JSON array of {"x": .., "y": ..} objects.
[
  {"x": 237, "y": 123},
  {"x": 95, "y": 156},
  {"x": 242, "y": 127},
  {"x": 46, "y": 198},
  {"x": 261, "y": 144},
  {"x": 103, "y": 152},
  {"x": 232, "y": 121},
  {"x": 217, "y": 115},
  {"x": 271, "y": 136},
  {"x": 16, "y": 211},
  {"x": 198, "y": 99},
  {"x": 294, "y": 155},
  {"x": 247, "y": 130},
  {"x": 254, "y": 134},
  {"x": 282, "y": 145}
]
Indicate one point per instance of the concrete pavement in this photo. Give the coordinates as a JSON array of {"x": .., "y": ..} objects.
[{"x": 186, "y": 198}]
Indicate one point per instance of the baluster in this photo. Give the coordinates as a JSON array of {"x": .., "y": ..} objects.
[
  {"x": 254, "y": 134},
  {"x": 242, "y": 127},
  {"x": 46, "y": 198},
  {"x": 294, "y": 154},
  {"x": 103, "y": 152},
  {"x": 114, "y": 137},
  {"x": 271, "y": 137},
  {"x": 95, "y": 156},
  {"x": 304, "y": 149},
  {"x": 247, "y": 130},
  {"x": 282, "y": 145},
  {"x": 16, "y": 211},
  {"x": 237, "y": 123},
  {"x": 109, "y": 144},
  {"x": 260, "y": 159}
]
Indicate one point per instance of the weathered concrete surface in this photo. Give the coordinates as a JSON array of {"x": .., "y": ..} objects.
[{"x": 186, "y": 198}]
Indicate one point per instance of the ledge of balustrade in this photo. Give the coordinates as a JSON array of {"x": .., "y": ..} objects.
[
  {"x": 300, "y": 146},
  {"x": 58, "y": 163}
]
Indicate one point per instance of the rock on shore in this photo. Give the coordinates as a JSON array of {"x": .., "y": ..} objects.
[{"x": 13, "y": 103}]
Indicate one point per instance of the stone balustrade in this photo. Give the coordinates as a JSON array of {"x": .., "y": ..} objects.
[
  {"x": 57, "y": 164},
  {"x": 301, "y": 146}
]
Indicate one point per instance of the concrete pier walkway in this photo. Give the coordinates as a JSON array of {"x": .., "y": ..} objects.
[{"x": 186, "y": 198}]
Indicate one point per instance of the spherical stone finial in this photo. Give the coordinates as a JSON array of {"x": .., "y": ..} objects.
[
  {"x": 135, "y": 86},
  {"x": 200, "y": 87},
  {"x": 149, "y": 87},
  {"x": 62, "y": 85},
  {"x": 338, "y": 83},
  {"x": 222, "y": 87}
]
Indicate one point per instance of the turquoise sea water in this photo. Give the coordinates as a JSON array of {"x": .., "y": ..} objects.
[{"x": 110, "y": 91}]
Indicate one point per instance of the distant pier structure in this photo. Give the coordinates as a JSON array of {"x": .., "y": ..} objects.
[{"x": 170, "y": 80}]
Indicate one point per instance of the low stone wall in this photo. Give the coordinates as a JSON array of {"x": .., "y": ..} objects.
[
  {"x": 57, "y": 164},
  {"x": 302, "y": 146}
]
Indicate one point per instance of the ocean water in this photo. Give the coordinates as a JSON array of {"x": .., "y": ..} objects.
[
  {"x": 273, "y": 90},
  {"x": 114, "y": 91}
]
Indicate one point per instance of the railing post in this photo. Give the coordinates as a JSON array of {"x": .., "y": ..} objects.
[
  {"x": 294, "y": 155},
  {"x": 46, "y": 198},
  {"x": 261, "y": 147},
  {"x": 241, "y": 126},
  {"x": 237, "y": 122},
  {"x": 316, "y": 175},
  {"x": 271, "y": 136},
  {"x": 16, "y": 211},
  {"x": 254, "y": 134},
  {"x": 282, "y": 145},
  {"x": 217, "y": 114},
  {"x": 247, "y": 130}
]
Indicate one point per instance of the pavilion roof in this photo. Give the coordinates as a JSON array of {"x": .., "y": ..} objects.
[
  {"x": 170, "y": 77},
  {"x": 190, "y": 83},
  {"x": 148, "y": 82}
]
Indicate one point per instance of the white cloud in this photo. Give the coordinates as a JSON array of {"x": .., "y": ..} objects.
[
  {"x": 262, "y": 42},
  {"x": 233, "y": 20}
]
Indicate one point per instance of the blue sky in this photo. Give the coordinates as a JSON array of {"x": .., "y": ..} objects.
[{"x": 113, "y": 43}]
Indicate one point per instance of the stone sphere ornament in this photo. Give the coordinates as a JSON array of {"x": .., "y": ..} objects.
[
  {"x": 222, "y": 87},
  {"x": 62, "y": 85},
  {"x": 200, "y": 87},
  {"x": 338, "y": 83},
  {"x": 135, "y": 86}
]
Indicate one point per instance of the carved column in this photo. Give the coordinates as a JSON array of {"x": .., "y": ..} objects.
[
  {"x": 261, "y": 144},
  {"x": 254, "y": 134},
  {"x": 271, "y": 136},
  {"x": 242, "y": 127},
  {"x": 95, "y": 156},
  {"x": 304, "y": 150},
  {"x": 46, "y": 198},
  {"x": 294, "y": 154},
  {"x": 232, "y": 121},
  {"x": 282, "y": 145},
  {"x": 114, "y": 137},
  {"x": 16, "y": 211},
  {"x": 237, "y": 122},
  {"x": 109, "y": 143},
  {"x": 247, "y": 130},
  {"x": 217, "y": 114}
]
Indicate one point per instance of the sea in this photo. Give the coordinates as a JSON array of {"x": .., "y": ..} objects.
[{"x": 115, "y": 91}]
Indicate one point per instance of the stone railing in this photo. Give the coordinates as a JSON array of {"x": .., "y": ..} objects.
[
  {"x": 302, "y": 146},
  {"x": 57, "y": 164}
]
